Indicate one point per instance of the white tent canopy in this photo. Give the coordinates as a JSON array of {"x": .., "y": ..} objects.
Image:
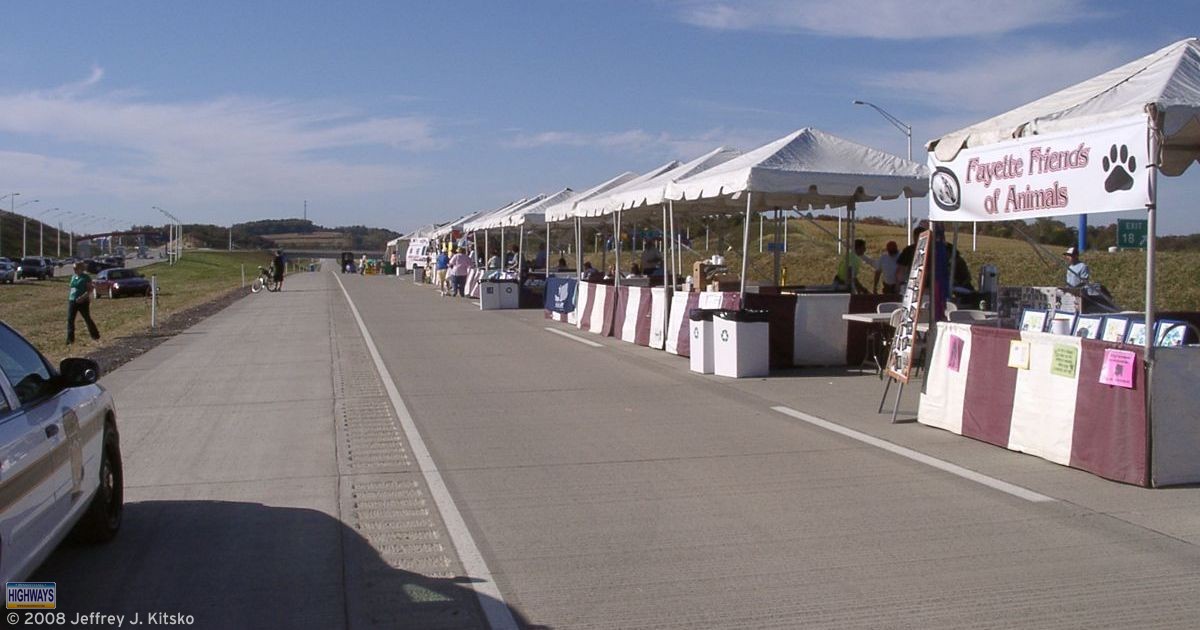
[
  {"x": 566, "y": 209},
  {"x": 422, "y": 232},
  {"x": 457, "y": 224},
  {"x": 652, "y": 192},
  {"x": 533, "y": 213},
  {"x": 600, "y": 205},
  {"x": 807, "y": 168},
  {"x": 490, "y": 219},
  {"x": 1167, "y": 82}
]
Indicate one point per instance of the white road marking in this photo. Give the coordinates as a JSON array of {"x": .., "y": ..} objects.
[
  {"x": 980, "y": 478},
  {"x": 579, "y": 339},
  {"x": 496, "y": 610}
]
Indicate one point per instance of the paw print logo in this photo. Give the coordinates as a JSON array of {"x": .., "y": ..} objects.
[{"x": 1119, "y": 165}]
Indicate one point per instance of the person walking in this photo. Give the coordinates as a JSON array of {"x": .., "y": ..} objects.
[
  {"x": 443, "y": 267},
  {"x": 79, "y": 298},
  {"x": 460, "y": 267}
]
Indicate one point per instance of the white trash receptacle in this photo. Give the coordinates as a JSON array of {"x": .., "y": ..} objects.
[
  {"x": 700, "y": 332},
  {"x": 499, "y": 294},
  {"x": 741, "y": 344}
]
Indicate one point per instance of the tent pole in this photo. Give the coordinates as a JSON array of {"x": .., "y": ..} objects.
[
  {"x": 954, "y": 265},
  {"x": 503, "y": 254},
  {"x": 851, "y": 271},
  {"x": 617, "y": 249},
  {"x": 745, "y": 249},
  {"x": 671, "y": 236},
  {"x": 762, "y": 219},
  {"x": 578, "y": 249},
  {"x": 1154, "y": 139},
  {"x": 666, "y": 257},
  {"x": 547, "y": 261}
]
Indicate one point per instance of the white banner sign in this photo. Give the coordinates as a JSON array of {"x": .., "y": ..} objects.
[{"x": 1102, "y": 169}]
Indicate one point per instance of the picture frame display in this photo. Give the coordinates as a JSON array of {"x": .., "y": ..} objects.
[
  {"x": 1114, "y": 329},
  {"x": 1136, "y": 335},
  {"x": 1062, "y": 316},
  {"x": 1088, "y": 326},
  {"x": 1034, "y": 319},
  {"x": 1170, "y": 333}
]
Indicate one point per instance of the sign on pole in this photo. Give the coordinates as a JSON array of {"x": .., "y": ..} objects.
[
  {"x": 1131, "y": 233},
  {"x": 1101, "y": 169}
]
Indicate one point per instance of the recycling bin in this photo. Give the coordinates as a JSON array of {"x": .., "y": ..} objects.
[
  {"x": 700, "y": 331},
  {"x": 741, "y": 343},
  {"x": 499, "y": 294}
]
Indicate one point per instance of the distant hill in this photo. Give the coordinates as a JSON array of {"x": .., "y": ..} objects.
[{"x": 285, "y": 233}]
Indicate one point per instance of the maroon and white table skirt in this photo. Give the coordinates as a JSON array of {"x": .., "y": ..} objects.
[
  {"x": 472, "y": 285},
  {"x": 1071, "y": 420},
  {"x": 640, "y": 316}
]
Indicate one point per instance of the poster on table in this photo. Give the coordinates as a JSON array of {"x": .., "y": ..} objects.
[
  {"x": 899, "y": 360},
  {"x": 560, "y": 295},
  {"x": 1101, "y": 169}
]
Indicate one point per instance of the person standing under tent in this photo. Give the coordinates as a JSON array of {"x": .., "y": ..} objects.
[
  {"x": 853, "y": 261},
  {"x": 539, "y": 261},
  {"x": 887, "y": 268},
  {"x": 460, "y": 266},
  {"x": 79, "y": 298},
  {"x": 1078, "y": 272}
]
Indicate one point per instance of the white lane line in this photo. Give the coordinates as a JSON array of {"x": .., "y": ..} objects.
[
  {"x": 579, "y": 339},
  {"x": 980, "y": 478},
  {"x": 496, "y": 610}
]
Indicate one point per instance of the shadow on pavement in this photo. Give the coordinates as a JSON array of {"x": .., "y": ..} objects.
[{"x": 247, "y": 565}]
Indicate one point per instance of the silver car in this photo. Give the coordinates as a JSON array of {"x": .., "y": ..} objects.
[
  {"x": 60, "y": 456},
  {"x": 8, "y": 272}
]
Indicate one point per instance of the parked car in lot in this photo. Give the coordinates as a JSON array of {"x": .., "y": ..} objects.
[
  {"x": 114, "y": 283},
  {"x": 60, "y": 453},
  {"x": 33, "y": 267},
  {"x": 96, "y": 265},
  {"x": 8, "y": 272}
]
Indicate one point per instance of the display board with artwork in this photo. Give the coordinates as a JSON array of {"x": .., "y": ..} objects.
[{"x": 899, "y": 361}]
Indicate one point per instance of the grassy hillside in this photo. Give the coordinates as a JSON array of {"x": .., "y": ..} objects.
[
  {"x": 812, "y": 259},
  {"x": 38, "y": 308}
]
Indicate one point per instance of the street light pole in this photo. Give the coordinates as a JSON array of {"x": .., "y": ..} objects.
[
  {"x": 42, "y": 229},
  {"x": 12, "y": 197},
  {"x": 906, "y": 129},
  {"x": 24, "y": 223}
]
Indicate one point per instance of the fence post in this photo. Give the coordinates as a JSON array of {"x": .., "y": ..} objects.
[
  {"x": 243, "y": 275},
  {"x": 153, "y": 301}
]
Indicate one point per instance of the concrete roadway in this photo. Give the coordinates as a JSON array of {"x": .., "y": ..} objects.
[{"x": 271, "y": 484}]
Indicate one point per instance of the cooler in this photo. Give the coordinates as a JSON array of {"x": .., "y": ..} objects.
[
  {"x": 700, "y": 329},
  {"x": 741, "y": 344}
]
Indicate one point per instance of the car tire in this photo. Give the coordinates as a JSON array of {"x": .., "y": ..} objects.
[{"x": 102, "y": 520}]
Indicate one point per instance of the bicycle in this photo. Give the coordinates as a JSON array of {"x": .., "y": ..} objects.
[{"x": 265, "y": 279}]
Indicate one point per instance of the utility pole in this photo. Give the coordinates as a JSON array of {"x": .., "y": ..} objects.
[{"x": 305, "y": 209}]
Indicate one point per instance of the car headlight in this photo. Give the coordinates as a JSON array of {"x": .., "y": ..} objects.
[{"x": 116, "y": 286}]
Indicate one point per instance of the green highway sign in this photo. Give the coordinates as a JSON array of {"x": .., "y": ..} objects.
[{"x": 1131, "y": 233}]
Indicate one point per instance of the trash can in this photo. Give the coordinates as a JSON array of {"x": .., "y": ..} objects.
[
  {"x": 499, "y": 294},
  {"x": 741, "y": 343},
  {"x": 418, "y": 275},
  {"x": 700, "y": 331}
]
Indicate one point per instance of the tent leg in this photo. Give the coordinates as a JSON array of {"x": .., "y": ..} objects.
[
  {"x": 745, "y": 248},
  {"x": 896, "y": 406}
]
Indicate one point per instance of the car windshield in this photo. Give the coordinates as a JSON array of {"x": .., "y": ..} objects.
[
  {"x": 119, "y": 274},
  {"x": 31, "y": 261}
]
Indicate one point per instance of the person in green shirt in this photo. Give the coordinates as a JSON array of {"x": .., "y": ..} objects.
[
  {"x": 859, "y": 256},
  {"x": 79, "y": 300}
]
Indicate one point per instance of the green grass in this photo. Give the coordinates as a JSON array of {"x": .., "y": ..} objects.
[
  {"x": 37, "y": 309},
  {"x": 812, "y": 259}
]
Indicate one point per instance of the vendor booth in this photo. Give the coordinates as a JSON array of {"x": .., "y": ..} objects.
[
  {"x": 1122, "y": 408},
  {"x": 806, "y": 169}
]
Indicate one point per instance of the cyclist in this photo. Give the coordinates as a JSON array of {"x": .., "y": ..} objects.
[{"x": 277, "y": 265}]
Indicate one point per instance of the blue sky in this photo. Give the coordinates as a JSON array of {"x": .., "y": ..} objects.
[{"x": 395, "y": 114}]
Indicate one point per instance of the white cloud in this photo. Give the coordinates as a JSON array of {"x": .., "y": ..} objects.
[
  {"x": 78, "y": 141},
  {"x": 880, "y": 19},
  {"x": 993, "y": 83}
]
